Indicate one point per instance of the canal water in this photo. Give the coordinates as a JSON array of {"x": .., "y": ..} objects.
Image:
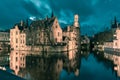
[
  {"x": 93, "y": 67},
  {"x": 89, "y": 66}
]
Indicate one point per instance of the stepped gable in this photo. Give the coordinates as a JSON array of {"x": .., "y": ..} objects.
[{"x": 20, "y": 27}]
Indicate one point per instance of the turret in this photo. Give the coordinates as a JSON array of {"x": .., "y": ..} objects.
[{"x": 76, "y": 20}]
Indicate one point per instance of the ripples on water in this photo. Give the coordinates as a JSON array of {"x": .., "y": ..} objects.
[{"x": 90, "y": 66}]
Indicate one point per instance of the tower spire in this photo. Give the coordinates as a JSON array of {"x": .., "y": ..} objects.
[
  {"x": 76, "y": 20},
  {"x": 52, "y": 15}
]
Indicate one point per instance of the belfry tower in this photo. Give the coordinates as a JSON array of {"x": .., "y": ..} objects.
[
  {"x": 76, "y": 29},
  {"x": 76, "y": 21}
]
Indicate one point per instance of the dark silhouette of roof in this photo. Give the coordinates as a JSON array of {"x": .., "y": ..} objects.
[
  {"x": 114, "y": 25},
  {"x": 48, "y": 22},
  {"x": 21, "y": 27}
]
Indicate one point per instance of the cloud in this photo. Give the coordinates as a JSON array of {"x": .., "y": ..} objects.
[
  {"x": 11, "y": 12},
  {"x": 79, "y": 6},
  {"x": 91, "y": 12}
]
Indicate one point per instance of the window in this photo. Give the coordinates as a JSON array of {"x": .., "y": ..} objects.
[
  {"x": 116, "y": 44},
  {"x": 16, "y": 59},
  {"x": 16, "y": 40},
  {"x": 16, "y": 32},
  {"x": 20, "y": 41},
  {"x": 23, "y": 58},
  {"x": 16, "y": 67},
  {"x": 58, "y": 34},
  {"x": 23, "y": 41},
  {"x": 56, "y": 26},
  {"x": 16, "y": 53},
  {"x": 55, "y": 39}
]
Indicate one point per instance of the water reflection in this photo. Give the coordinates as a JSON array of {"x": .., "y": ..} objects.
[
  {"x": 36, "y": 67},
  {"x": 95, "y": 66},
  {"x": 115, "y": 58}
]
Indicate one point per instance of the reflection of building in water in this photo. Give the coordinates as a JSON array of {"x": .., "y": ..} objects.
[
  {"x": 38, "y": 67},
  {"x": 108, "y": 56},
  {"x": 115, "y": 57},
  {"x": 18, "y": 59},
  {"x": 117, "y": 64},
  {"x": 73, "y": 65}
]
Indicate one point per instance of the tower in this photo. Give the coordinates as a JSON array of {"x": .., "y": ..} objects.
[
  {"x": 76, "y": 29},
  {"x": 76, "y": 20}
]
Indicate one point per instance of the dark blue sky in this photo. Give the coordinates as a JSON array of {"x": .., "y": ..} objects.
[{"x": 94, "y": 14}]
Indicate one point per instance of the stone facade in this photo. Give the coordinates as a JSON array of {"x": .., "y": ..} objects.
[
  {"x": 115, "y": 43},
  {"x": 46, "y": 34},
  {"x": 17, "y": 39}
]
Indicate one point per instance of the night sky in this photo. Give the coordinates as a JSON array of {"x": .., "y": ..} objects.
[{"x": 95, "y": 15}]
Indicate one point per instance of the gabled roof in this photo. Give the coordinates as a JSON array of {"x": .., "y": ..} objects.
[{"x": 48, "y": 22}]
